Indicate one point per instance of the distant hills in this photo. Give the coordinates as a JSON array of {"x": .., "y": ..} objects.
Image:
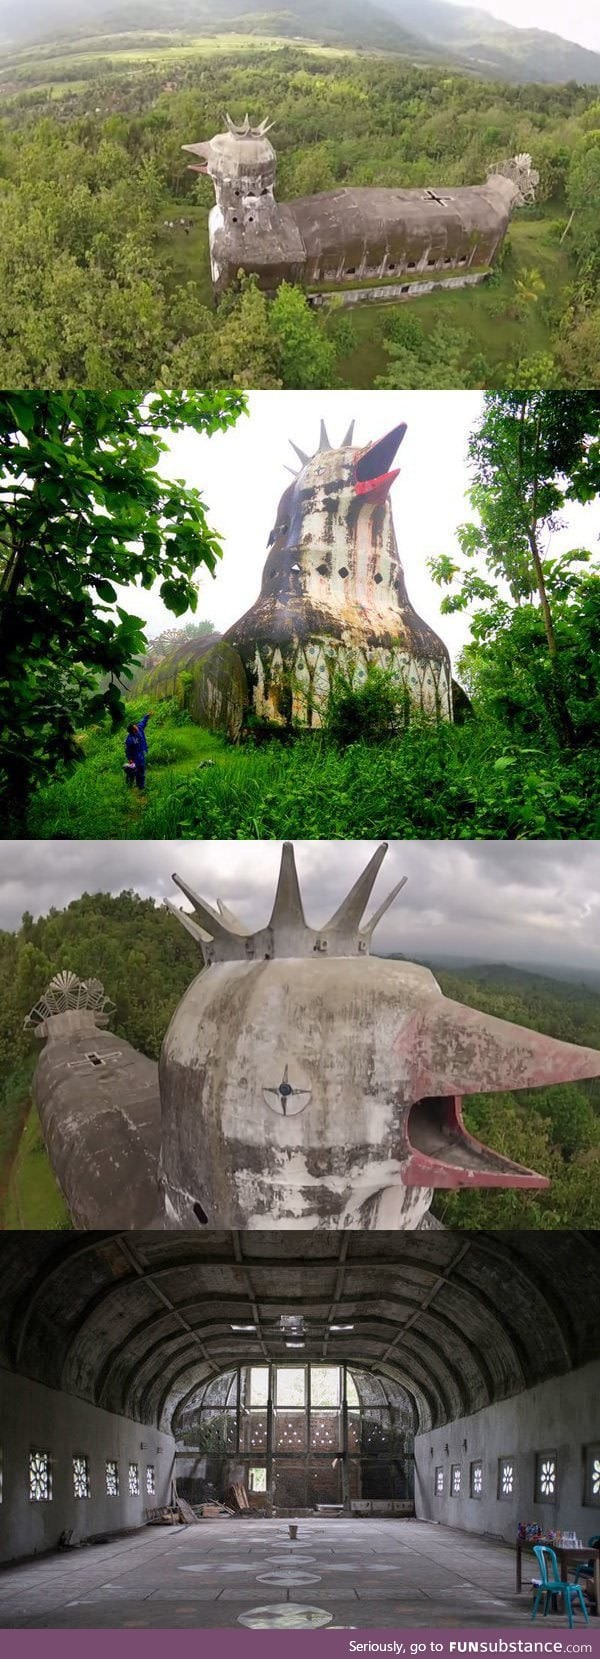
[{"x": 429, "y": 31}]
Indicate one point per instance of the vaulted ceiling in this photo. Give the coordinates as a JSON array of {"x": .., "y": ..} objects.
[{"x": 135, "y": 1321}]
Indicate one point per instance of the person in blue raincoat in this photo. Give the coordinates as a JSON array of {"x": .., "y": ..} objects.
[{"x": 136, "y": 750}]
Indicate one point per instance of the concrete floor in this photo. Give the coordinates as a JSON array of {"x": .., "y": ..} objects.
[{"x": 363, "y": 1574}]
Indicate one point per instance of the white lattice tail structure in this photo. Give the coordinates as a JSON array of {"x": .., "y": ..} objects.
[{"x": 67, "y": 994}]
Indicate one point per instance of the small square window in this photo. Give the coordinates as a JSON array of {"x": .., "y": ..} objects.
[
  {"x": 81, "y": 1477},
  {"x": 455, "y": 1480},
  {"x": 546, "y": 1477},
  {"x": 40, "y": 1477},
  {"x": 112, "y": 1479},
  {"x": 592, "y": 1476},
  {"x": 439, "y": 1481},
  {"x": 476, "y": 1480},
  {"x": 258, "y": 1480},
  {"x": 150, "y": 1483},
  {"x": 134, "y": 1480},
  {"x": 506, "y": 1477}
]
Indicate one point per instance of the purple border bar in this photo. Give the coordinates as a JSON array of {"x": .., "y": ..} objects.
[{"x": 330, "y": 1644}]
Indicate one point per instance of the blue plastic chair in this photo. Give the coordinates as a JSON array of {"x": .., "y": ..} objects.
[
  {"x": 586, "y": 1568},
  {"x": 551, "y": 1585}
]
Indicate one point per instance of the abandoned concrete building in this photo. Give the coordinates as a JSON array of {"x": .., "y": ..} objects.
[
  {"x": 366, "y": 244},
  {"x": 303, "y": 1081},
  {"x": 333, "y": 601},
  {"x": 399, "y": 1403}
]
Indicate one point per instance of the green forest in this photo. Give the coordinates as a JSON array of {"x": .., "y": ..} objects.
[
  {"x": 104, "y": 266},
  {"x": 146, "y": 961},
  {"x": 519, "y": 760}
]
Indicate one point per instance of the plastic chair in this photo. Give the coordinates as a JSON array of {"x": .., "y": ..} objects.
[
  {"x": 586, "y": 1568},
  {"x": 551, "y": 1585}
]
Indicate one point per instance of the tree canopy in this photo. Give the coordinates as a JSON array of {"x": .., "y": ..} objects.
[{"x": 83, "y": 506}]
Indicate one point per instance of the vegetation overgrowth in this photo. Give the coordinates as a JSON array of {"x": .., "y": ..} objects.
[
  {"x": 435, "y": 781},
  {"x": 520, "y": 759},
  {"x": 146, "y": 961},
  {"x": 104, "y": 263}
]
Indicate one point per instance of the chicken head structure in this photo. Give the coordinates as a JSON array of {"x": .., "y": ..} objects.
[
  {"x": 306, "y": 1083},
  {"x": 333, "y": 598},
  {"x": 303, "y": 1081}
]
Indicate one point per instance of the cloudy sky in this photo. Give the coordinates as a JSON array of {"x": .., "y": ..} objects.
[
  {"x": 241, "y": 475},
  {"x": 496, "y": 901},
  {"x": 579, "y": 21}
]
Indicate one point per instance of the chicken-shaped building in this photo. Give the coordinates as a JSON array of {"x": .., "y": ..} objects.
[
  {"x": 303, "y": 1082},
  {"x": 333, "y": 599},
  {"x": 369, "y": 242}
]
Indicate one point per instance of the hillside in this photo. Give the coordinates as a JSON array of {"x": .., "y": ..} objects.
[
  {"x": 492, "y": 47},
  {"x": 433, "y": 31},
  {"x": 146, "y": 961}
]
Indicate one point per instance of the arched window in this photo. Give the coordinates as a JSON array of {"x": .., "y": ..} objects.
[{"x": 299, "y": 1434}]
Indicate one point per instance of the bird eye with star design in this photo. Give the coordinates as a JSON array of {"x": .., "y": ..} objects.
[{"x": 286, "y": 1100}]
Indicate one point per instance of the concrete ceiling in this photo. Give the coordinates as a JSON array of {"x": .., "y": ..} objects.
[{"x": 136, "y": 1321}]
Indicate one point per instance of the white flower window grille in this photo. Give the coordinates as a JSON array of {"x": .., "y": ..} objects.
[
  {"x": 595, "y": 1477},
  {"x": 455, "y": 1488},
  {"x": 477, "y": 1480},
  {"x": 112, "y": 1479},
  {"x": 40, "y": 1477},
  {"x": 150, "y": 1486},
  {"x": 548, "y": 1477},
  {"x": 81, "y": 1477},
  {"x": 439, "y": 1481},
  {"x": 507, "y": 1479},
  {"x": 134, "y": 1480}
]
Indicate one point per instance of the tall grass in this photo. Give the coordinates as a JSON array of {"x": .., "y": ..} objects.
[{"x": 446, "y": 782}]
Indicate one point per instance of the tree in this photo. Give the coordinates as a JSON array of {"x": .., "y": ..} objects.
[
  {"x": 531, "y": 453},
  {"x": 82, "y": 507}
]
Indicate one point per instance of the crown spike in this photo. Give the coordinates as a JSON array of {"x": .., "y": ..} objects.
[
  {"x": 203, "y": 939},
  {"x": 288, "y": 908},
  {"x": 353, "y": 906},
  {"x": 368, "y": 930},
  {"x": 324, "y": 443},
  {"x": 230, "y": 917},
  {"x": 349, "y": 436},
  {"x": 300, "y": 453},
  {"x": 214, "y": 922}
]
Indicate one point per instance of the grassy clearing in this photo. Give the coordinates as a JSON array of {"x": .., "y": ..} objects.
[
  {"x": 93, "y": 800},
  {"x": 30, "y": 66},
  {"x": 486, "y": 313},
  {"x": 33, "y": 1199},
  {"x": 449, "y": 781}
]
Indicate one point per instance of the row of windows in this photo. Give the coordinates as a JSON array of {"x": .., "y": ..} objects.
[
  {"x": 40, "y": 1477},
  {"x": 545, "y": 1481}
]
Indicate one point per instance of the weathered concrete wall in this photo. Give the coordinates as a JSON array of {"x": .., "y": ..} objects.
[
  {"x": 560, "y": 1416},
  {"x": 35, "y": 1417},
  {"x": 397, "y": 290}
]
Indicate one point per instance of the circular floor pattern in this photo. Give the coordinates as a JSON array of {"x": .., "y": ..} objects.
[
  {"x": 286, "y": 1560},
  {"x": 288, "y": 1577},
  {"x": 219, "y": 1567},
  {"x": 285, "y": 1615}
]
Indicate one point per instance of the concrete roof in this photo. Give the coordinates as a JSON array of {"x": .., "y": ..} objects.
[
  {"x": 136, "y": 1322},
  {"x": 346, "y": 218}
]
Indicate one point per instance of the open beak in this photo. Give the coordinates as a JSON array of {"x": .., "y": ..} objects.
[
  {"x": 443, "y": 1154},
  {"x": 201, "y": 150},
  {"x": 450, "y": 1051},
  {"x": 374, "y": 474}
]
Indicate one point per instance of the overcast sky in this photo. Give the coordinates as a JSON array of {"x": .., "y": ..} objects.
[
  {"x": 499, "y": 901},
  {"x": 580, "y": 20},
  {"x": 241, "y": 475}
]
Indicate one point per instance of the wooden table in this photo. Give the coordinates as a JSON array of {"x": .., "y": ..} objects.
[{"x": 567, "y": 1555}]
